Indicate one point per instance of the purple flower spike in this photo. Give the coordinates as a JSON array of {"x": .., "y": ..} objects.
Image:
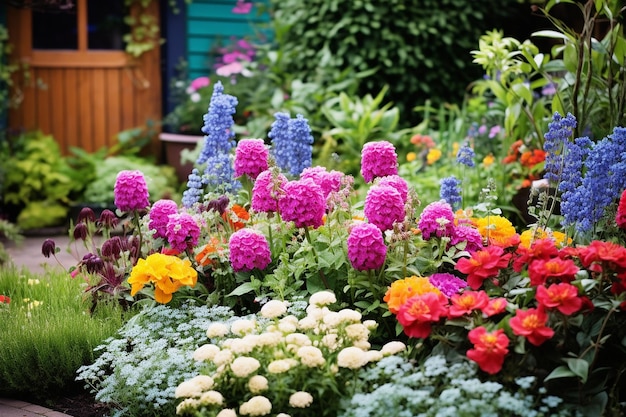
[
  {"x": 366, "y": 247},
  {"x": 131, "y": 191}
]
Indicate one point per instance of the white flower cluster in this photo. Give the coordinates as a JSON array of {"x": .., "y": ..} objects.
[{"x": 256, "y": 355}]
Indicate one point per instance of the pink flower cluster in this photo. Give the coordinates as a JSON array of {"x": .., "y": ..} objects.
[
  {"x": 384, "y": 206},
  {"x": 266, "y": 191},
  {"x": 328, "y": 181},
  {"x": 182, "y": 231},
  {"x": 437, "y": 219},
  {"x": 303, "y": 203},
  {"x": 396, "y": 182},
  {"x": 251, "y": 158},
  {"x": 131, "y": 191},
  {"x": 366, "y": 247},
  {"x": 378, "y": 159},
  {"x": 249, "y": 249},
  {"x": 159, "y": 213}
]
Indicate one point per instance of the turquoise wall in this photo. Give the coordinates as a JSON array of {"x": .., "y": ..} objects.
[{"x": 211, "y": 23}]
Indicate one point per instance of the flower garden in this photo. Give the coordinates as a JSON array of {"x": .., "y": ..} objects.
[{"x": 406, "y": 284}]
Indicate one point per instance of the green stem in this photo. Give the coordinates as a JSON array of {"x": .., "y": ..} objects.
[{"x": 317, "y": 261}]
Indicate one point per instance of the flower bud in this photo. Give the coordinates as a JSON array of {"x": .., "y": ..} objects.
[
  {"x": 108, "y": 219},
  {"x": 86, "y": 215},
  {"x": 80, "y": 231},
  {"x": 48, "y": 248}
]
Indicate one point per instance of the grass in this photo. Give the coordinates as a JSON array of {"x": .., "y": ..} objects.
[{"x": 47, "y": 332}]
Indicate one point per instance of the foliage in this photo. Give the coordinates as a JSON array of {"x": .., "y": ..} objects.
[
  {"x": 137, "y": 369},
  {"x": 412, "y": 45},
  {"x": 10, "y": 232},
  {"x": 45, "y": 333}
]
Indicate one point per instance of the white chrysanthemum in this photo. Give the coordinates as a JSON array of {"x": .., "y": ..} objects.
[
  {"x": 269, "y": 339},
  {"x": 290, "y": 319},
  {"x": 188, "y": 404},
  {"x": 298, "y": 339},
  {"x": 393, "y": 347},
  {"x": 357, "y": 331},
  {"x": 258, "y": 384},
  {"x": 373, "y": 355},
  {"x": 256, "y": 406},
  {"x": 330, "y": 341},
  {"x": 281, "y": 365},
  {"x": 271, "y": 328},
  {"x": 322, "y": 298},
  {"x": 206, "y": 352},
  {"x": 331, "y": 319},
  {"x": 362, "y": 344},
  {"x": 316, "y": 312},
  {"x": 242, "y": 327},
  {"x": 351, "y": 358},
  {"x": 244, "y": 366},
  {"x": 282, "y": 415},
  {"x": 287, "y": 327},
  {"x": 194, "y": 387},
  {"x": 311, "y": 356},
  {"x": 242, "y": 346},
  {"x": 370, "y": 324},
  {"x": 273, "y": 309},
  {"x": 300, "y": 399},
  {"x": 223, "y": 357},
  {"x": 227, "y": 412},
  {"x": 350, "y": 316},
  {"x": 217, "y": 330},
  {"x": 307, "y": 323},
  {"x": 211, "y": 397}
]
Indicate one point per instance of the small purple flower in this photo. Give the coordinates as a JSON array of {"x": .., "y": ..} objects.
[
  {"x": 251, "y": 157},
  {"x": 465, "y": 156},
  {"x": 366, "y": 247},
  {"x": 303, "y": 203},
  {"x": 378, "y": 159},
  {"x": 437, "y": 219},
  {"x": 447, "y": 283},
  {"x": 328, "y": 181},
  {"x": 384, "y": 206},
  {"x": 450, "y": 191},
  {"x": 131, "y": 191},
  {"x": 494, "y": 131},
  {"x": 159, "y": 216},
  {"x": 80, "y": 231},
  {"x": 182, "y": 231},
  {"x": 108, "y": 219},
  {"x": 266, "y": 191},
  {"x": 86, "y": 215},
  {"x": 396, "y": 182},
  {"x": 249, "y": 249},
  {"x": 467, "y": 234}
]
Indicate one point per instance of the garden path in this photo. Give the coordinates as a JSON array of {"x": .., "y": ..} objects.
[{"x": 16, "y": 408}]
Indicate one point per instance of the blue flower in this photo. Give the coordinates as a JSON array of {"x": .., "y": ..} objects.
[
  {"x": 291, "y": 143},
  {"x": 450, "y": 191},
  {"x": 219, "y": 175},
  {"x": 194, "y": 189},
  {"x": 218, "y": 123},
  {"x": 465, "y": 156},
  {"x": 559, "y": 131}
]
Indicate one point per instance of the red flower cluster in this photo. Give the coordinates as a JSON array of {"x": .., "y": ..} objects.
[{"x": 4, "y": 299}]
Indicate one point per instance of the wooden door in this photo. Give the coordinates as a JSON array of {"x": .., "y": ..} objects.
[{"x": 82, "y": 96}]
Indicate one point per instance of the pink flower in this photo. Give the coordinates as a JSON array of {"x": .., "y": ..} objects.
[
  {"x": 302, "y": 203},
  {"x": 182, "y": 231},
  {"x": 366, "y": 247},
  {"x": 131, "y": 191},
  {"x": 489, "y": 349},
  {"x": 437, "y": 219},
  {"x": 384, "y": 206},
  {"x": 249, "y": 249},
  {"x": 159, "y": 213},
  {"x": 378, "y": 159},
  {"x": 563, "y": 297},
  {"x": 396, "y": 182},
  {"x": 328, "y": 181},
  {"x": 242, "y": 7},
  {"x": 266, "y": 191},
  {"x": 531, "y": 324},
  {"x": 418, "y": 313},
  {"x": 229, "y": 69},
  {"x": 447, "y": 283},
  {"x": 251, "y": 157},
  {"x": 199, "y": 83},
  {"x": 468, "y": 234}
]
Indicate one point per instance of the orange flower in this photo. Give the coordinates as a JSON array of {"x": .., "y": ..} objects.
[
  {"x": 531, "y": 324},
  {"x": 488, "y": 160},
  {"x": 489, "y": 349},
  {"x": 403, "y": 289},
  {"x": 563, "y": 297},
  {"x": 498, "y": 230},
  {"x": 467, "y": 302},
  {"x": 433, "y": 156},
  {"x": 237, "y": 216},
  {"x": 531, "y": 158},
  {"x": 203, "y": 256}
]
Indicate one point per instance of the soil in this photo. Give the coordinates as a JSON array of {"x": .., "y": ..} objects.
[{"x": 78, "y": 405}]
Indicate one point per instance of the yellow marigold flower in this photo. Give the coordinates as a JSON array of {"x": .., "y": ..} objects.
[
  {"x": 433, "y": 156},
  {"x": 403, "y": 289},
  {"x": 531, "y": 234},
  {"x": 497, "y": 229},
  {"x": 167, "y": 273},
  {"x": 488, "y": 160},
  {"x": 410, "y": 157}
]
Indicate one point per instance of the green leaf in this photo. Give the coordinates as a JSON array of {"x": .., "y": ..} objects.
[
  {"x": 560, "y": 372},
  {"x": 244, "y": 288},
  {"x": 579, "y": 367}
]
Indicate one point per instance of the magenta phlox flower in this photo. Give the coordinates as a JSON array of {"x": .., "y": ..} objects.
[
  {"x": 131, "y": 191},
  {"x": 469, "y": 234},
  {"x": 366, "y": 247},
  {"x": 378, "y": 159},
  {"x": 249, "y": 249},
  {"x": 199, "y": 83},
  {"x": 182, "y": 231},
  {"x": 384, "y": 206},
  {"x": 251, "y": 157},
  {"x": 303, "y": 203},
  {"x": 159, "y": 216},
  {"x": 329, "y": 181},
  {"x": 447, "y": 283},
  {"x": 242, "y": 7},
  {"x": 437, "y": 219},
  {"x": 267, "y": 189},
  {"x": 396, "y": 182}
]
